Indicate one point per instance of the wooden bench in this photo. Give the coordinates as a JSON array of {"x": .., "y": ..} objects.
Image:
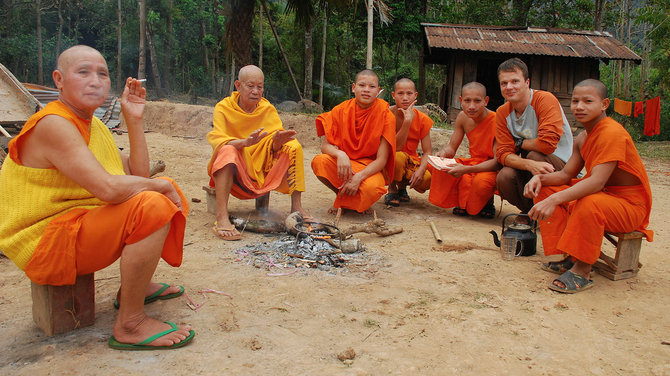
[
  {"x": 625, "y": 263},
  {"x": 262, "y": 203},
  {"x": 60, "y": 309}
]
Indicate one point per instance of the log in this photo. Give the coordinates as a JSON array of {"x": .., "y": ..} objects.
[{"x": 376, "y": 226}]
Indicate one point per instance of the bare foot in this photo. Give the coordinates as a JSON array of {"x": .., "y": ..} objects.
[{"x": 139, "y": 329}]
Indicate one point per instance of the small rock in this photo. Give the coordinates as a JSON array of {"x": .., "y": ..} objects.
[
  {"x": 288, "y": 106},
  {"x": 346, "y": 354},
  {"x": 195, "y": 199}
]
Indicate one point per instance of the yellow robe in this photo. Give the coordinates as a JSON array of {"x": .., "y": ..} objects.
[{"x": 259, "y": 169}]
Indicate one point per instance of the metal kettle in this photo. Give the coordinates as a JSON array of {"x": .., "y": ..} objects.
[{"x": 525, "y": 235}]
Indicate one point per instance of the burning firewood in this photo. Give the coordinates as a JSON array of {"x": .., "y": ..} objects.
[
  {"x": 261, "y": 226},
  {"x": 376, "y": 226}
]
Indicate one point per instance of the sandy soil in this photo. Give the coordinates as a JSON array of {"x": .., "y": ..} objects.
[{"x": 414, "y": 307}]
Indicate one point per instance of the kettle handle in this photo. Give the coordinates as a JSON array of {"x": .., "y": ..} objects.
[{"x": 519, "y": 243}]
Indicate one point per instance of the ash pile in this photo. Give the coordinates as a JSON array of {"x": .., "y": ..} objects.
[{"x": 304, "y": 244}]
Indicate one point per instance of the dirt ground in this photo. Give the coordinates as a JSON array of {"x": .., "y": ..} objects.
[{"x": 414, "y": 307}]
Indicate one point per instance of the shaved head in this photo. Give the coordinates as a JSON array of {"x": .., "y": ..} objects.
[
  {"x": 367, "y": 72},
  {"x": 250, "y": 72},
  {"x": 72, "y": 54},
  {"x": 600, "y": 87},
  {"x": 404, "y": 81},
  {"x": 474, "y": 86}
]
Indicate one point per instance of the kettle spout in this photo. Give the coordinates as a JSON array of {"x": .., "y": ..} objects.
[{"x": 496, "y": 241}]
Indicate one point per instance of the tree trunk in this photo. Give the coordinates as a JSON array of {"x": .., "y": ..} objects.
[
  {"x": 626, "y": 76},
  {"x": 38, "y": 30},
  {"x": 154, "y": 60},
  {"x": 260, "y": 38},
  {"x": 598, "y": 14},
  {"x": 167, "y": 61},
  {"x": 323, "y": 54},
  {"x": 281, "y": 49},
  {"x": 368, "y": 60},
  {"x": 309, "y": 61},
  {"x": 232, "y": 76},
  {"x": 203, "y": 48},
  {"x": 143, "y": 32},
  {"x": 60, "y": 27},
  {"x": 239, "y": 30},
  {"x": 119, "y": 82},
  {"x": 520, "y": 9}
]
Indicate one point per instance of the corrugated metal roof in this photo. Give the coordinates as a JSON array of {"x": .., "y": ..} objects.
[{"x": 527, "y": 41}]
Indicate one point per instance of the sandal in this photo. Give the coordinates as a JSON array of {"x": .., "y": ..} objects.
[
  {"x": 402, "y": 194},
  {"x": 573, "y": 283},
  {"x": 558, "y": 267},
  {"x": 392, "y": 199},
  {"x": 460, "y": 212},
  {"x": 489, "y": 210},
  {"x": 218, "y": 231}
]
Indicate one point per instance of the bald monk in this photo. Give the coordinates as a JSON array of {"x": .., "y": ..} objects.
[
  {"x": 358, "y": 145},
  {"x": 468, "y": 187},
  {"x": 532, "y": 133},
  {"x": 252, "y": 153},
  {"x": 71, "y": 204},
  {"x": 613, "y": 196},
  {"x": 412, "y": 127}
]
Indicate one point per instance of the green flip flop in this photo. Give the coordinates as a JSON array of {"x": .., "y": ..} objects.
[
  {"x": 157, "y": 295},
  {"x": 573, "y": 283},
  {"x": 113, "y": 343}
]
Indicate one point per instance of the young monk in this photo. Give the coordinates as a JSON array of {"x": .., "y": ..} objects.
[
  {"x": 358, "y": 144},
  {"x": 252, "y": 153},
  {"x": 71, "y": 205},
  {"x": 614, "y": 196},
  {"x": 412, "y": 126},
  {"x": 469, "y": 186}
]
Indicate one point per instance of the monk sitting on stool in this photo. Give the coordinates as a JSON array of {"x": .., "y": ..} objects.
[
  {"x": 468, "y": 187},
  {"x": 412, "y": 127},
  {"x": 71, "y": 205},
  {"x": 358, "y": 145},
  {"x": 614, "y": 196},
  {"x": 253, "y": 154}
]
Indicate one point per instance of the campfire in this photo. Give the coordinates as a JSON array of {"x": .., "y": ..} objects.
[{"x": 301, "y": 244}]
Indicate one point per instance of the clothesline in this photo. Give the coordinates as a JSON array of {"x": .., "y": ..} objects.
[{"x": 652, "y": 116}]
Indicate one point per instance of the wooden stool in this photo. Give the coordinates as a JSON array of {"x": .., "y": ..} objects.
[
  {"x": 59, "y": 309},
  {"x": 625, "y": 263},
  {"x": 262, "y": 202}
]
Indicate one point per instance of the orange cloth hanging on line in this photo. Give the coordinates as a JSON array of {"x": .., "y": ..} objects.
[
  {"x": 639, "y": 108},
  {"x": 623, "y": 107},
  {"x": 652, "y": 118}
]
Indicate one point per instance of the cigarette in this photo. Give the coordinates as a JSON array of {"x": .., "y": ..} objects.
[{"x": 143, "y": 80}]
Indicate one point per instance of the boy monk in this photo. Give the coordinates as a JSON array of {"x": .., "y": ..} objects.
[
  {"x": 71, "y": 205},
  {"x": 358, "y": 145},
  {"x": 412, "y": 126},
  {"x": 252, "y": 153},
  {"x": 468, "y": 187},
  {"x": 613, "y": 196}
]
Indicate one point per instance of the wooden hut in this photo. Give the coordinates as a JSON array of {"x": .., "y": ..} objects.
[{"x": 557, "y": 59}]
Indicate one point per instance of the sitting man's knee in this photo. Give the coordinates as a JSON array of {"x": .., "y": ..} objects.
[{"x": 536, "y": 156}]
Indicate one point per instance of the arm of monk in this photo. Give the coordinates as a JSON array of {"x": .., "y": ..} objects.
[
  {"x": 449, "y": 151},
  {"x": 350, "y": 187},
  {"x": 344, "y": 170},
  {"x": 595, "y": 182},
  {"x": 427, "y": 148},
  {"x": 55, "y": 142},
  {"x": 487, "y": 165},
  {"x": 133, "y": 100}
]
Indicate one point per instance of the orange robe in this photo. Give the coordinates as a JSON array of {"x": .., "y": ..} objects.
[
  {"x": 259, "y": 170},
  {"x": 82, "y": 233},
  {"x": 577, "y": 227},
  {"x": 407, "y": 160},
  {"x": 358, "y": 133},
  {"x": 469, "y": 191}
]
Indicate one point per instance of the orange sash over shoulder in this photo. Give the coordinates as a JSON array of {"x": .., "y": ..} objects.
[
  {"x": 608, "y": 141},
  {"x": 358, "y": 132},
  {"x": 419, "y": 128},
  {"x": 481, "y": 139}
]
